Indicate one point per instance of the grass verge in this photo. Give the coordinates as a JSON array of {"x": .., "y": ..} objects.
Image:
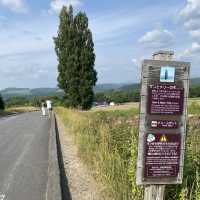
[{"x": 107, "y": 143}]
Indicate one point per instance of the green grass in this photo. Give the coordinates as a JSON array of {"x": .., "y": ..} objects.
[
  {"x": 107, "y": 142},
  {"x": 194, "y": 107}
]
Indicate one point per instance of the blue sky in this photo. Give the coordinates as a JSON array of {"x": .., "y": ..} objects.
[{"x": 124, "y": 32}]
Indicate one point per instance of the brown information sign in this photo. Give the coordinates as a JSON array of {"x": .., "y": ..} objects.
[
  {"x": 164, "y": 124},
  {"x": 162, "y": 155},
  {"x": 165, "y": 100}
]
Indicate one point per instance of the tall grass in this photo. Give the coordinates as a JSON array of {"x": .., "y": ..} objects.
[
  {"x": 190, "y": 189},
  {"x": 194, "y": 107},
  {"x": 107, "y": 143}
]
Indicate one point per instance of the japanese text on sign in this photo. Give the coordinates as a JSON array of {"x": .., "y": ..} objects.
[
  {"x": 162, "y": 155},
  {"x": 165, "y": 99}
]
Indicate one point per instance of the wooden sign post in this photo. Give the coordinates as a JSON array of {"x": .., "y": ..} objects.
[{"x": 162, "y": 129}]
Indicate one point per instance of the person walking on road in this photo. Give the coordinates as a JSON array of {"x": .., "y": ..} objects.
[
  {"x": 49, "y": 107},
  {"x": 43, "y": 109}
]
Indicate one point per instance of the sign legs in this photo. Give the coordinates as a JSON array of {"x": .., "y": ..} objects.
[{"x": 154, "y": 192}]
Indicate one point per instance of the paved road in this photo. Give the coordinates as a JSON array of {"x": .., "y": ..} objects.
[{"x": 24, "y": 157}]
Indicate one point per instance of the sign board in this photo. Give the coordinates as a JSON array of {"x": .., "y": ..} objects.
[
  {"x": 163, "y": 116},
  {"x": 162, "y": 155},
  {"x": 164, "y": 124},
  {"x": 165, "y": 99}
]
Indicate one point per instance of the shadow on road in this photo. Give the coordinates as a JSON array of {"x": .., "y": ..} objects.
[{"x": 64, "y": 182}]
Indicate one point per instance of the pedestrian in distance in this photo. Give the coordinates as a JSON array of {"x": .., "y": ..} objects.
[
  {"x": 49, "y": 107},
  {"x": 43, "y": 109}
]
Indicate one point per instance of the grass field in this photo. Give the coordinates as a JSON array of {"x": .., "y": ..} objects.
[
  {"x": 107, "y": 142},
  {"x": 22, "y": 109}
]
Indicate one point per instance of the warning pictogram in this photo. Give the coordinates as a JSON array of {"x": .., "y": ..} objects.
[{"x": 163, "y": 138}]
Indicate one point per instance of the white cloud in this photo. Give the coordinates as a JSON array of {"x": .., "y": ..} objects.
[
  {"x": 190, "y": 15},
  {"x": 191, "y": 53},
  {"x": 31, "y": 69},
  {"x": 15, "y": 5},
  {"x": 109, "y": 28},
  {"x": 195, "y": 34},
  {"x": 191, "y": 10},
  {"x": 194, "y": 49},
  {"x": 56, "y": 5},
  {"x": 157, "y": 38},
  {"x": 192, "y": 24},
  {"x": 27, "y": 54},
  {"x": 135, "y": 61}
]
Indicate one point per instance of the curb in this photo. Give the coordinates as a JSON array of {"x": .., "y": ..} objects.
[
  {"x": 66, "y": 194},
  {"x": 53, "y": 191}
]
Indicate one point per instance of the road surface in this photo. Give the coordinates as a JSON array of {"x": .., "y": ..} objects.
[{"x": 24, "y": 156}]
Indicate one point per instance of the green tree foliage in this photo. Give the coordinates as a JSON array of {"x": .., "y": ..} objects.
[
  {"x": 118, "y": 96},
  {"x": 36, "y": 102},
  {"x": 17, "y": 101},
  {"x": 75, "y": 51},
  {"x": 195, "y": 91},
  {"x": 2, "y": 105},
  {"x": 32, "y": 101}
]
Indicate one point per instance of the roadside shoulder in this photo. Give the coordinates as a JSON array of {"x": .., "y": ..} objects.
[{"x": 81, "y": 183}]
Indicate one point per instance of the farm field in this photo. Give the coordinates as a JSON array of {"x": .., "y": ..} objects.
[{"x": 107, "y": 141}]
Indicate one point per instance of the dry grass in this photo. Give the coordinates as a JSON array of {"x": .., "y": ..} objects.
[
  {"x": 125, "y": 106},
  {"x": 22, "y": 109},
  {"x": 105, "y": 140}
]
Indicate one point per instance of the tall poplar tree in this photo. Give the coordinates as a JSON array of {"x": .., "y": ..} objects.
[
  {"x": 86, "y": 60},
  {"x": 75, "y": 51}
]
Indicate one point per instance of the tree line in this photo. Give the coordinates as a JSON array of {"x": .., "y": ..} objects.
[{"x": 117, "y": 96}]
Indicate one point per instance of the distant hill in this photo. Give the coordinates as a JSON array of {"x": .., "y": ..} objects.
[
  {"x": 108, "y": 86},
  {"x": 26, "y": 92},
  {"x": 46, "y": 91},
  {"x": 195, "y": 81},
  {"x": 130, "y": 87}
]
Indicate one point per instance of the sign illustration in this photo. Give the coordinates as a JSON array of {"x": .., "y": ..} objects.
[{"x": 167, "y": 74}]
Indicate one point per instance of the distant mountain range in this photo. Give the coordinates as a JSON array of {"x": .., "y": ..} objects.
[{"x": 26, "y": 92}]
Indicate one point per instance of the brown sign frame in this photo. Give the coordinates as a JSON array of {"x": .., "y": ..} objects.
[{"x": 151, "y": 76}]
